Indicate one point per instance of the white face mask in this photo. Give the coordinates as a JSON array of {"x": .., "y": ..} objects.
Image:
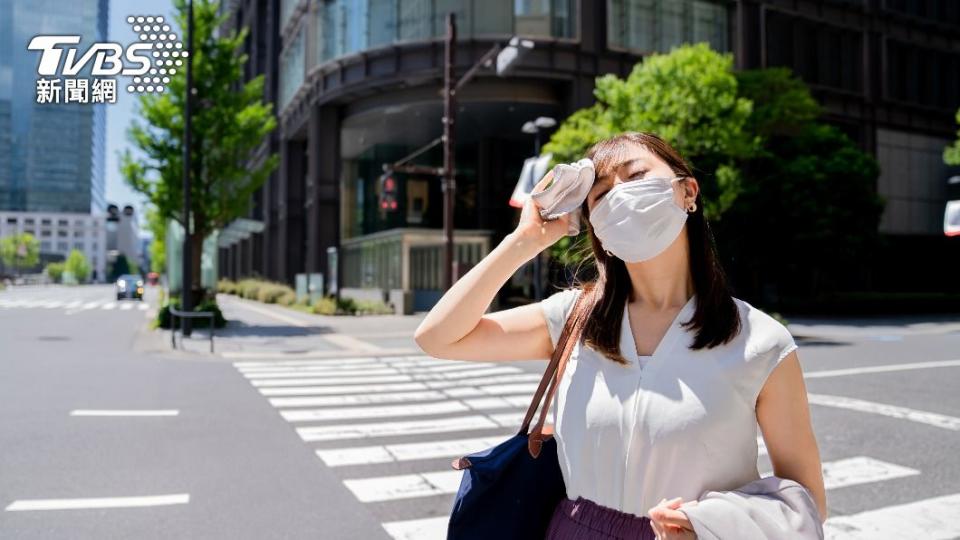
[{"x": 638, "y": 220}]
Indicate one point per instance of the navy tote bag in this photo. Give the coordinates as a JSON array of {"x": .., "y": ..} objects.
[{"x": 509, "y": 491}]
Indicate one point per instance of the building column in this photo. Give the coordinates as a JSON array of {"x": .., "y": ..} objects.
[
  {"x": 323, "y": 206},
  {"x": 291, "y": 212}
]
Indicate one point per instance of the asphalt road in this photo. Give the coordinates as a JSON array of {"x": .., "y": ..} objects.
[{"x": 107, "y": 434}]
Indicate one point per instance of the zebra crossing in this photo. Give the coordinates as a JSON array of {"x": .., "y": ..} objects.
[
  {"x": 374, "y": 421},
  {"x": 73, "y": 306}
]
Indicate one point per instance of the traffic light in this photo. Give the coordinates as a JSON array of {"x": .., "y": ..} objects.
[{"x": 388, "y": 193}]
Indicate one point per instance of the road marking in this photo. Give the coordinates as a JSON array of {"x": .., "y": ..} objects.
[
  {"x": 882, "y": 369},
  {"x": 331, "y": 375},
  {"x": 412, "y": 366},
  {"x": 418, "y": 529},
  {"x": 109, "y": 305},
  {"x": 893, "y": 411},
  {"x": 335, "y": 380},
  {"x": 105, "y": 502},
  {"x": 73, "y": 304},
  {"x": 143, "y": 306},
  {"x": 357, "y": 399},
  {"x": 391, "y": 453},
  {"x": 468, "y": 387},
  {"x": 933, "y": 519},
  {"x": 338, "y": 362},
  {"x": 318, "y": 354},
  {"x": 126, "y": 306},
  {"x": 404, "y": 486},
  {"x": 861, "y": 470},
  {"x": 389, "y": 429},
  {"x": 119, "y": 412},
  {"x": 349, "y": 342},
  {"x": 393, "y": 411}
]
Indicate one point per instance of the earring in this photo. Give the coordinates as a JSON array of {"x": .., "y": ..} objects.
[
  {"x": 608, "y": 253},
  {"x": 692, "y": 207}
]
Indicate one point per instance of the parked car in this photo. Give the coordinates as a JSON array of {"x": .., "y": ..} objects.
[{"x": 130, "y": 286}]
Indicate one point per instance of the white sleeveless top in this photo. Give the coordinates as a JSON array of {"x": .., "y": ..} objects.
[{"x": 673, "y": 424}]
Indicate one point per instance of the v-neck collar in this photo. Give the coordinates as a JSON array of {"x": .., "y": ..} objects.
[{"x": 669, "y": 337}]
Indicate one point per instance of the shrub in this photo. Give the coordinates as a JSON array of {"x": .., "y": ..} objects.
[
  {"x": 270, "y": 292},
  {"x": 227, "y": 286},
  {"x": 250, "y": 288},
  {"x": 163, "y": 314},
  {"x": 288, "y": 298},
  {"x": 325, "y": 306},
  {"x": 373, "y": 307},
  {"x": 55, "y": 271}
]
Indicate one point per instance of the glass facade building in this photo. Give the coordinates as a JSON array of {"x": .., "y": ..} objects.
[{"x": 51, "y": 155}]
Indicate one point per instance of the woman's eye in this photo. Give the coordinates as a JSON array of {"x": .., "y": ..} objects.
[{"x": 638, "y": 175}]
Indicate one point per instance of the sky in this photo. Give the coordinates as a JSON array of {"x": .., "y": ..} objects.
[{"x": 123, "y": 112}]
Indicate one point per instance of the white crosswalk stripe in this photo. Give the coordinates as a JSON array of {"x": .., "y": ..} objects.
[
  {"x": 72, "y": 301},
  {"x": 372, "y": 412}
]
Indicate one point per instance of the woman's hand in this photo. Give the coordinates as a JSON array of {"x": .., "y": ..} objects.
[
  {"x": 533, "y": 228},
  {"x": 670, "y": 523}
]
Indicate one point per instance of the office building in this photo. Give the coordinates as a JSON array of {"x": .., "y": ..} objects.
[{"x": 356, "y": 84}]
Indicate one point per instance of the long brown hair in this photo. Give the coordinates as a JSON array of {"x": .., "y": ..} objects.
[{"x": 716, "y": 318}]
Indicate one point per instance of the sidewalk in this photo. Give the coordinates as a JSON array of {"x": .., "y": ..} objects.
[{"x": 258, "y": 330}]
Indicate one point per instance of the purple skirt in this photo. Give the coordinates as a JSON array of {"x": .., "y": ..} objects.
[{"x": 584, "y": 519}]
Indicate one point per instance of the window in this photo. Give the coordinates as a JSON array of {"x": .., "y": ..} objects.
[
  {"x": 78, "y": 234},
  {"x": 647, "y": 26},
  {"x": 818, "y": 53},
  {"x": 63, "y": 222},
  {"x": 28, "y": 221},
  {"x": 62, "y": 233},
  {"x": 11, "y": 221},
  {"x": 923, "y": 76},
  {"x": 45, "y": 221},
  {"x": 44, "y": 246},
  {"x": 944, "y": 11},
  {"x": 45, "y": 233},
  {"x": 63, "y": 246},
  {"x": 78, "y": 245}
]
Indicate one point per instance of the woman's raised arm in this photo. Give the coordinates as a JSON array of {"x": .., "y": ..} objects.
[{"x": 457, "y": 327}]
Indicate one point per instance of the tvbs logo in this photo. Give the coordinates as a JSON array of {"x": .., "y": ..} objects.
[{"x": 148, "y": 63}]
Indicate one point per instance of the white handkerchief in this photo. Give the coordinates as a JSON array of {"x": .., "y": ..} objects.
[{"x": 564, "y": 195}]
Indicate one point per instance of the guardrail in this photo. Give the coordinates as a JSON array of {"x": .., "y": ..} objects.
[{"x": 174, "y": 313}]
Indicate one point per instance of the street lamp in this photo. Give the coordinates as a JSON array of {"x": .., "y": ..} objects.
[
  {"x": 506, "y": 57},
  {"x": 534, "y": 127}
]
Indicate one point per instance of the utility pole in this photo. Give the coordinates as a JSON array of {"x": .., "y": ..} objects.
[
  {"x": 449, "y": 130},
  {"x": 186, "y": 299}
]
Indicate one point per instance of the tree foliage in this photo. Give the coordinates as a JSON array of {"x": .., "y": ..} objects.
[
  {"x": 157, "y": 225},
  {"x": 77, "y": 265},
  {"x": 796, "y": 196},
  {"x": 229, "y": 121},
  {"x": 20, "y": 250},
  {"x": 951, "y": 154}
]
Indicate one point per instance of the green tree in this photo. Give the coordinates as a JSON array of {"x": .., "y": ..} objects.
[
  {"x": 55, "y": 271},
  {"x": 78, "y": 266},
  {"x": 19, "y": 251},
  {"x": 689, "y": 97},
  {"x": 810, "y": 188},
  {"x": 230, "y": 119},
  {"x": 951, "y": 154}
]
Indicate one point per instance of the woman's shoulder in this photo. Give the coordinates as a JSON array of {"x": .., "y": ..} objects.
[
  {"x": 556, "y": 309},
  {"x": 763, "y": 331}
]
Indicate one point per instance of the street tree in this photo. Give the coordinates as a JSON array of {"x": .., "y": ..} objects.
[
  {"x": 78, "y": 266},
  {"x": 19, "y": 251},
  {"x": 229, "y": 120}
]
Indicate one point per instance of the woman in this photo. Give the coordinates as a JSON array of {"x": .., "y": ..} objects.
[{"x": 661, "y": 399}]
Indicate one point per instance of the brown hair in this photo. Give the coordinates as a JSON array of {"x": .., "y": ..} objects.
[{"x": 716, "y": 318}]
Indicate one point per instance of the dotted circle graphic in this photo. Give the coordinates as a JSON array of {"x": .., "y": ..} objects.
[{"x": 167, "y": 52}]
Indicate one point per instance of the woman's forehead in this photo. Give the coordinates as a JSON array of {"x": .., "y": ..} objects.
[{"x": 609, "y": 160}]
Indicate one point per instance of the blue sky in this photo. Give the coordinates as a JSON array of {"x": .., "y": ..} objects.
[{"x": 121, "y": 113}]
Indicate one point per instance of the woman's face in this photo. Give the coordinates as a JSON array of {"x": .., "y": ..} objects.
[{"x": 635, "y": 164}]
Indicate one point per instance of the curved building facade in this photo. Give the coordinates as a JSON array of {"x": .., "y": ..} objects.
[{"x": 357, "y": 84}]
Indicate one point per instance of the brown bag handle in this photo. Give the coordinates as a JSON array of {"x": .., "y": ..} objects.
[{"x": 553, "y": 374}]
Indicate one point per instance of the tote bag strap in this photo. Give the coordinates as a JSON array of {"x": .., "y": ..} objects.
[{"x": 553, "y": 373}]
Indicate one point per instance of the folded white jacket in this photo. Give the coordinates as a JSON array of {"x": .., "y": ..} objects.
[
  {"x": 765, "y": 509},
  {"x": 569, "y": 188}
]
